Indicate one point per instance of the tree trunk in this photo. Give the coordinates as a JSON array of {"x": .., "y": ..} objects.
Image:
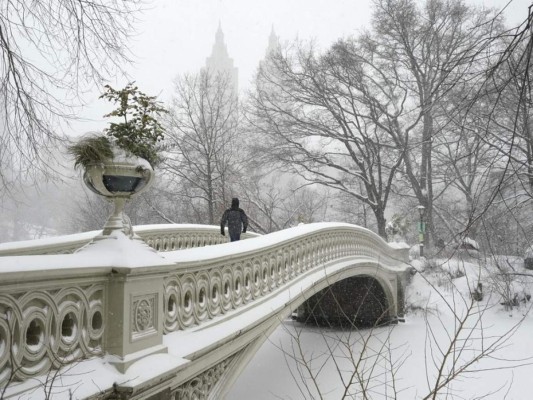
[
  {"x": 381, "y": 221},
  {"x": 426, "y": 182},
  {"x": 210, "y": 199}
]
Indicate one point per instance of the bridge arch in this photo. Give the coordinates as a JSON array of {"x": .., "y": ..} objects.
[
  {"x": 360, "y": 300},
  {"x": 203, "y": 314},
  {"x": 334, "y": 272}
]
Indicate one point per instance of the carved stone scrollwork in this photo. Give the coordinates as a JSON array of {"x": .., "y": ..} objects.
[
  {"x": 46, "y": 329},
  {"x": 144, "y": 316},
  {"x": 200, "y": 386}
]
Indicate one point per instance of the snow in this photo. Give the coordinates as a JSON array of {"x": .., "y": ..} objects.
[
  {"x": 529, "y": 252},
  {"x": 436, "y": 296},
  {"x": 87, "y": 236},
  {"x": 121, "y": 253},
  {"x": 150, "y": 368},
  {"x": 271, "y": 364},
  {"x": 434, "y": 299},
  {"x": 237, "y": 249},
  {"x": 398, "y": 245},
  {"x": 470, "y": 243},
  {"x": 22, "y": 244},
  {"x": 115, "y": 251}
]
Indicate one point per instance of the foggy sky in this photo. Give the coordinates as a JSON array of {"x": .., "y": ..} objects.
[{"x": 175, "y": 37}]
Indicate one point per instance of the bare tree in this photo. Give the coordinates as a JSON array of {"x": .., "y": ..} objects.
[
  {"x": 368, "y": 109},
  {"x": 274, "y": 203},
  {"x": 49, "y": 50},
  {"x": 508, "y": 83},
  {"x": 464, "y": 164},
  {"x": 204, "y": 150},
  {"x": 505, "y": 127},
  {"x": 312, "y": 120},
  {"x": 428, "y": 50}
]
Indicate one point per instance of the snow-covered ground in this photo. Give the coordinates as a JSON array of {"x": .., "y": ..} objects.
[{"x": 484, "y": 348}]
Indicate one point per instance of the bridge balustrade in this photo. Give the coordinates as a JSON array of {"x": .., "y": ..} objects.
[
  {"x": 163, "y": 238},
  {"x": 47, "y": 321},
  {"x": 206, "y": 291},
  {"x": 117, "y": 296}
]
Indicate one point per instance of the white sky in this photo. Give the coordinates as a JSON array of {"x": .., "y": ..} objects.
[{"x": 176, "y": 36}]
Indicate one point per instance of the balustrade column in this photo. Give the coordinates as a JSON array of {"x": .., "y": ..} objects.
[{"x": 134, "y": 318}]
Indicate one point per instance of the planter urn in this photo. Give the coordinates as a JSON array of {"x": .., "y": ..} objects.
[{"x": 119, "y": 179}]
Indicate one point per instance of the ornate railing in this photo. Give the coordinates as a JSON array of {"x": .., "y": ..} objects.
[
  {"x": 72, "y": 319},
  {"x": 177, "y": 237},
  {"x": 196, "y": 292},
  {"x": 165, "y": 237},
  {"x": 57, "y": 309}
]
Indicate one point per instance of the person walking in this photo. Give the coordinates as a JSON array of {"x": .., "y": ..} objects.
[{"x": 236, "y": 219}]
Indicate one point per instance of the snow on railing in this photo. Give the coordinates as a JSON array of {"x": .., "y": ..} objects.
[
  {"x": 119, "y": 296},
  {"x": 176, "y": 237},
  {"x": 202, "y": 288},
  {"x": 48, "y": 322},
  {"x": 162, "y": 237}
]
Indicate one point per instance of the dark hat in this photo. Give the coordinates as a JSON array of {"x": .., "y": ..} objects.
[{"x": 235, "y": 202}]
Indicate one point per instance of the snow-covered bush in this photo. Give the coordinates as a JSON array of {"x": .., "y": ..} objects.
[
  {"x": 528, "y": 257},
  {"x": 396, "y": 228},
  {"x": 506, "y": 279}
]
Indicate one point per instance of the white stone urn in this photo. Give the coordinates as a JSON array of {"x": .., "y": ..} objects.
[{"x": 119, "y": 179}]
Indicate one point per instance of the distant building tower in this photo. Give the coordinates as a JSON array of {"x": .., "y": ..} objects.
[
  {"x": 221, "y": 62},
  {"x": 273, "y": 42}
]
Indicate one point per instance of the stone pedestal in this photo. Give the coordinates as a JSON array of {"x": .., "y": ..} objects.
[{"x": 135, "y": 319}]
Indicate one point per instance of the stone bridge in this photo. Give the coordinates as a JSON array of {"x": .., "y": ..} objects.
[{"x": 174, "y": 312}]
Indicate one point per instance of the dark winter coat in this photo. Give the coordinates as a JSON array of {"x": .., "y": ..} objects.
[{"x": 236, "y": 219}]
